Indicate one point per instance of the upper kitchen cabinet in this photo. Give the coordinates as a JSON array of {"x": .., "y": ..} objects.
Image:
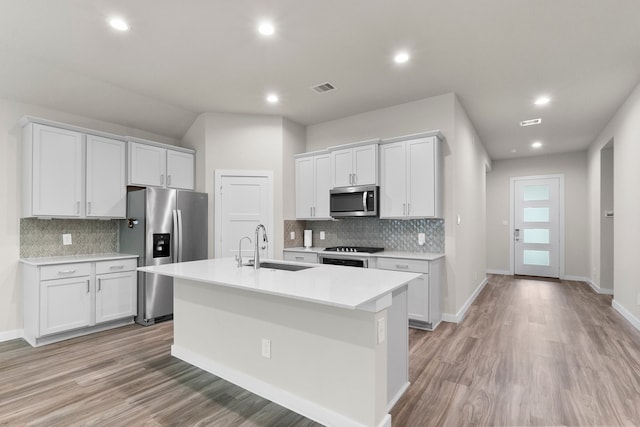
[
  {"x": 312, "y": 186},
  {"x": 70, "y": 173},
  {"x": 157, "y": 165},
  {"x": 355, "y": 164},
  {"x": 52, "y": 171},
  {"x": 410, "y": 177},
  {"x": 106, "y": 178}
]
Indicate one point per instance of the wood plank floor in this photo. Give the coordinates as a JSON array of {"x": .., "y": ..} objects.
[{"x": 529, "y": 352}]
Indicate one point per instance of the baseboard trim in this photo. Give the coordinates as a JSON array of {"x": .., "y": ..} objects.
[
  {"x": 626, "y": 314},
  {"x": 596, "y": 288},
  {"x": 11, "y": 335},
  {"x": 282, "y": 397},
  {"x": 500, "y": 272},
  {"x": 459, "y": 317}
]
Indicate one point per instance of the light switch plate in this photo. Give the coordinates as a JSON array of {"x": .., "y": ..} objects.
[
  {"x": 382, "y": 329},
  {"x": 421, "y": 239},
  {"x": 322, "y": 235},
  {"x": 266, "y": 348},
  {"x": 66, "y": 239},
  {"x": 293, "y": 235}
]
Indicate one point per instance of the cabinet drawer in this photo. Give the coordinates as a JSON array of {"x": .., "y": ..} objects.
[
  {"x": 398, "y": 264},
  {"x": 116, "y": 265},
  {"x": 301, "y": 257},
  {"x": 61, "y": 271}
]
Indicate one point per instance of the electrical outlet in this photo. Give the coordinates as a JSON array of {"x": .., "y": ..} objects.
[
  {"x": 421, "y": 239},
  {"x": 322, "y": 235},
  {"x": 292, "y": 235},
  {"x": 66, "y": 239},
  {"x": 382, "y": 329},
  {"x": 266, "y": 348}
]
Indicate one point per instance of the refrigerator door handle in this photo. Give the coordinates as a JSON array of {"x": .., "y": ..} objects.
[
  {"x": 174, "y": 255},
  {"x": 180, "y": 242}
]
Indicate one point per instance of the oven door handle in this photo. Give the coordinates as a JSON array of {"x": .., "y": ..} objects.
[{"x": 364, "y": 201}]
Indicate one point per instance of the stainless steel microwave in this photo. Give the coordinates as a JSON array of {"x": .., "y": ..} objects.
[{"x": 354, "y": 201}]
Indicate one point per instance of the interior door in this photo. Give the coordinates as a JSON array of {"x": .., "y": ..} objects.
[
  {"x": 243, "y": 203},
  {"x": 536, "y": 231}
]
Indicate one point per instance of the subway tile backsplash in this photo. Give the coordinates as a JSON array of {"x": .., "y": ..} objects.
[
  {"x": 391, "y": 234},
  {"x": 43, "y": 238}
]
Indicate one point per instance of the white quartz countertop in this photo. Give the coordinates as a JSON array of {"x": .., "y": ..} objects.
[
  {"x": 338, "y": 286},
  {"x": 53, "y": 260},
  {"x": 424, "y": 256}
]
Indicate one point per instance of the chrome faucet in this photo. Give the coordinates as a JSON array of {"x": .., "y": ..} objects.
[
  {"x": 239, "y": 256},
  {"x": 256, "y": 252}
]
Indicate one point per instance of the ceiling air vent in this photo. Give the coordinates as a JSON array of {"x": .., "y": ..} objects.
[
  {"x": 324, "y": 87},
  {"x": 530, "y": 122}
]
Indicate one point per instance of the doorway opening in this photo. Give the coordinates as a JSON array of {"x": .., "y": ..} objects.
[{"x": 606, "y": 219}]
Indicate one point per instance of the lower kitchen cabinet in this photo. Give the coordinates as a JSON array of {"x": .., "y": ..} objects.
[
  {"x": 425, "y": 311},
  {"x": 70, "y": 299},
  {"x": 301, "y": 256}
]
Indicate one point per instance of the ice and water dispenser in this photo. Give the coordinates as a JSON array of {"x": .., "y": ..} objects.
[{"x": 161, "y": 245}]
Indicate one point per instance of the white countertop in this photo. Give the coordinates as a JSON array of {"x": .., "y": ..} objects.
[
  {"x": 338, "y": 286},
  {"x": 424, "y": 256},
  {"x": 52, "y": 260}
]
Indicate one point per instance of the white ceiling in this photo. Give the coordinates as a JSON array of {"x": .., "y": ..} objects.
[{"x": 182, "y": 58}]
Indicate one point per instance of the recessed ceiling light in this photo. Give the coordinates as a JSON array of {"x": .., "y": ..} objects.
[
  {"x": 536, "y": 144},
  {"x": 272, "y": 98},
  {"x": 401, "y": 57},
  {"x": 513, "y": 150},
  {"x": 542, "y": 100},
  {"x": 266, "y": 29},
  {"x": 119, "y": 24}
]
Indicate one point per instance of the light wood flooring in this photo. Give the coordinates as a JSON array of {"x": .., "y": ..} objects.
[{"x": 529, "y": 352}]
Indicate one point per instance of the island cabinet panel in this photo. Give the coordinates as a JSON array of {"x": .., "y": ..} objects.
[
  {"x": 312, "y": 186},
  {"x": 410, "y": 178},
  {"x": 70, "y": 299}
]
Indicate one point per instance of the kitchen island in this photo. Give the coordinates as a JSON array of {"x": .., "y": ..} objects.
[{"x": 328, "y": 342}]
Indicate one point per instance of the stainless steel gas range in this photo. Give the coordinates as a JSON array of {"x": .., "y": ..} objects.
[{"x": 350, "y": 256}]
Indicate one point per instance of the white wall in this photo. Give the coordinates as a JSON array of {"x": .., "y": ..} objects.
[
  {"x": 574, "y": 168},
  {"x": 10, "y": 197},
  {"x": 624, "y": 130},
  {"x": 462, "y": 149}
]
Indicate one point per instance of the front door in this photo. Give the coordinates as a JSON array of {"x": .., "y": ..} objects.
[
  {"x": 537, "y": 226},
  {"x": 243, "y": 200}
]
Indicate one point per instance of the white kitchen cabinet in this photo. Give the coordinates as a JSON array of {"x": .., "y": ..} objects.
[
  {"x": 356, "y": 165},
  {"x": 312, "y": 186},
  {"x": 410, "y": 177},
  {"x": 53, "y": 180},
  {"x": 301, "y": 256},
  {"x": 76, "y": 298},
  {"x": 424, "y": 307},
  {"x": 65, "y": 304},
  {"x": 106, "y": 194},
  {"x": 157, "y": 166}
]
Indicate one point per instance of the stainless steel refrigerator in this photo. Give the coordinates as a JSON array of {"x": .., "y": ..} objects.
[{"x": 162, "y": 227}]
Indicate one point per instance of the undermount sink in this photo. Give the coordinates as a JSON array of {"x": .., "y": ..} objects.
[{"x": 282, "y": 266}]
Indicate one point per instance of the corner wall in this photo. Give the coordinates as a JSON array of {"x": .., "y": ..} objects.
[{"x": 624, "y": 129}]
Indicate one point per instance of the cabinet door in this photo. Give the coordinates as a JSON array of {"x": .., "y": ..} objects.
[
  {"x": 305, "y": 182},
  {"x": 147, "y": 165},
  {"x": 106, "y": 182},
  {"x": 115, "y": 296},
  {"x": 421, "y": 180},
  {"x": 342, "y": 168},
  {"x": 393, "y": 180},
  {"x": 322, "y": 186},
  {"x": 419, "y": 298},
  {"x": 65, "y": 304},
  {"x": 365, "y": 165},
  {"x": 57, "y": 172},
  {"x": 180, "y": 170}
]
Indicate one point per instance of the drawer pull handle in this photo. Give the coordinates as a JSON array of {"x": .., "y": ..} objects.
[
  {"x": 99, "y": 284},
  {"x": 300, "y": 257},
  {"x": 66, "y": 271},
  {"x": 88, "y": 285},
  {"x": 116, "y": 267},
  {"x": 403, "y": 266}
]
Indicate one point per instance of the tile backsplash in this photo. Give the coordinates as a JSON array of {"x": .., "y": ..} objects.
[
  {"x": 43, "y": 238},
  {"x": 391, "y": 234}
]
